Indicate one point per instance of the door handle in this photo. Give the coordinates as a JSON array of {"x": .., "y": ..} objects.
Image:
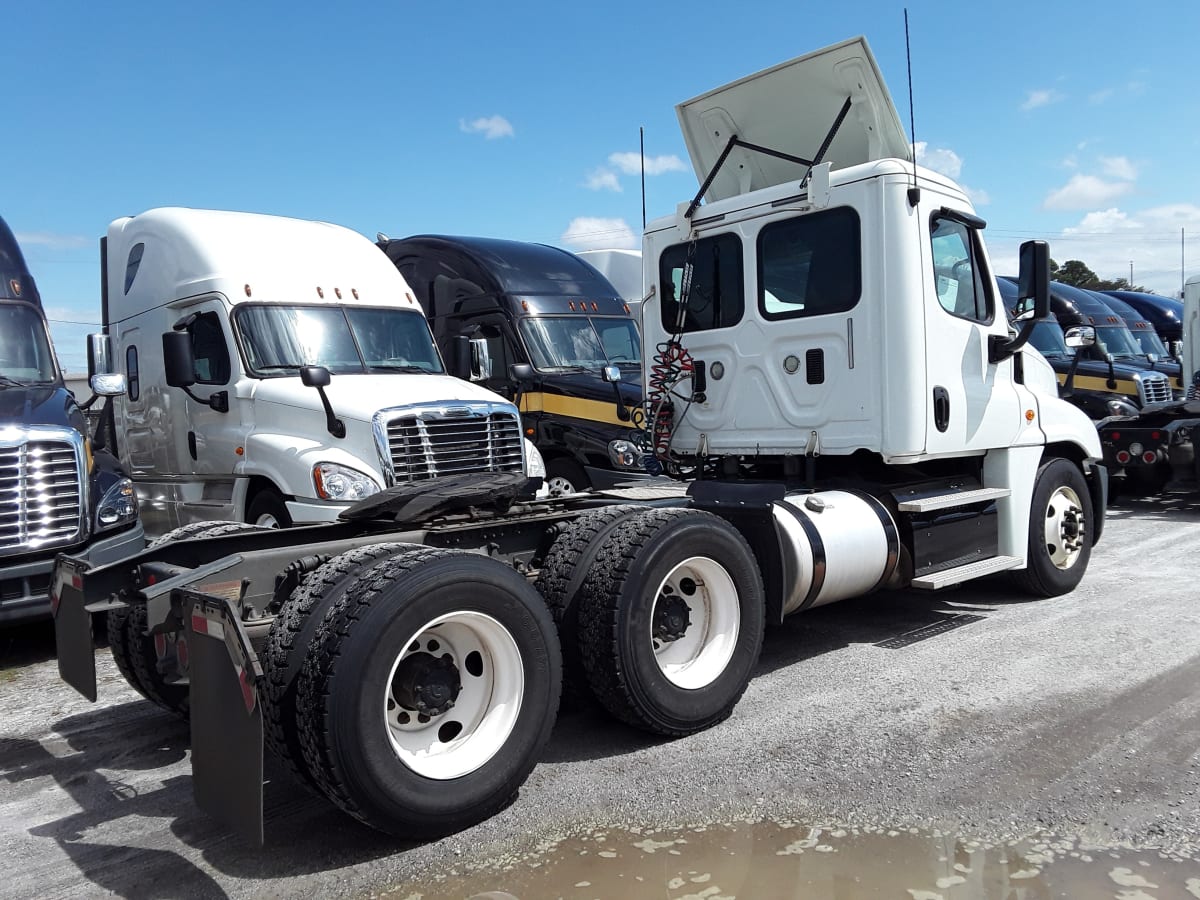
[{"x": 941, "y": 408}]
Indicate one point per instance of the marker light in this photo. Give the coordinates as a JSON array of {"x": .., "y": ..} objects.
[{"x": 1123, "y": 456}]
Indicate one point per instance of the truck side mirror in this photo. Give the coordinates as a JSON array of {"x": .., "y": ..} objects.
[
  {"x": 1080, "y": 336},
  {"x": 611, "y": 374},
  {"x": 521, "y": 373},
  {"x": 1033, "y": 281},
  {"x": 481, "y": 360},
  {"x": 460, "y": 356},
  {"x": 99, "y": 351},
  {"x": 178, "y": 359},
  {"x": 314, "y": 376},
  {"x": 109, "y": 385}
]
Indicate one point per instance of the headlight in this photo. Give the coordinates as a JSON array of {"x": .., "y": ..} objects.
[
  {"x": 117, "y": 507},
  {"x": 624, "y": 455},
  {"x": 334, "y": 482},
  {"x": 1121, "y": 408},
  {"x": 535, "y": 466}
]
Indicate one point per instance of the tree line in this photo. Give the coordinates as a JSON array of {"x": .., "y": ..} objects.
[{"x": 1076, "y": 273}]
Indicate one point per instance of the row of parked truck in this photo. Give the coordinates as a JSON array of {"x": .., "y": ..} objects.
[
  {"x": 830, "y": 380},
  {"x": 274, "y": 371}
]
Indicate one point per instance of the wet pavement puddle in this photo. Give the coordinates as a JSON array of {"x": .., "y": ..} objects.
[{"x": 773, "y": 860}]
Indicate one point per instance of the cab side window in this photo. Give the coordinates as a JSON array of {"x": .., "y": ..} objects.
[
  {"x": 715, "y": 299},
  {"x": 958, "y": 271},
  {"x": 810, "y": 265},
  {"x": 210, "y": 349}
]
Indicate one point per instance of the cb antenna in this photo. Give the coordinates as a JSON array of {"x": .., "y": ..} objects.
[
  {"x": 642, "y": 153},
  {"x": 914, "y": 192}
]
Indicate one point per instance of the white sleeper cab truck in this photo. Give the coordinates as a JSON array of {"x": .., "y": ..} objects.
[
  {"x": 279, "y": 370},
  {"x": 837, "y": 392}
]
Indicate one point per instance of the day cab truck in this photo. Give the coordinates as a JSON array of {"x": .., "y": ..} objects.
[
  {"x": 495, "y": 304},
  {"x": 1165, "y": 313},
  {"x": 831, "y": 379},
  {"x": 278, "y": 370},
  {"x": 59, "y": 490}
]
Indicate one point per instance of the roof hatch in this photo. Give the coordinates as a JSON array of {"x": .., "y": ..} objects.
[{"x": 792, "y": 108}]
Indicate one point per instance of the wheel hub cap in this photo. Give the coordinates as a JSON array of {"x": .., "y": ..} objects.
[
  {"x": 671, "y": 618},
  {"x": 427, "y": 684}
]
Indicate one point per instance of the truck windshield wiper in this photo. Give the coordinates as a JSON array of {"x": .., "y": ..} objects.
[
  {"x": 400, "y": 367},
  {"x": 12, "y": 382},
  {"x": 278, "y": 368}
]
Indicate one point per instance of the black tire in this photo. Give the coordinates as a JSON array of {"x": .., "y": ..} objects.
[
  {"x": 268, "y": 504},
  {"x": 346, "y": 740},
  {"x": 560, "y": 578},
  {"x": 617, "y": 607},
  {"x": 1043, "y": 576},
  {"x": 138, "y": 646},
  {"x": 117, "y": 627},
  {"x": 566, "y": 472},
  {"x": 288, "y": 643}
]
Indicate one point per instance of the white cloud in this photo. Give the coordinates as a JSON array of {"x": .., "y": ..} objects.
[
  {"x": 1040, "y": 98},
  {"x": 491, "y": 127},
  {"x": 1118, "y": 167},
  {"x": 1084, "y": 191},
  {"x": 631, "y": 163},
  {"x": 1109, "y": 239},
  {"x": 602, "y": 180},
  {"x": 594, "y": 233},
  {"x": 1097, "y": 97},
  {"x": 53, "y": 241},
  {"x": 940, "y": 159}
]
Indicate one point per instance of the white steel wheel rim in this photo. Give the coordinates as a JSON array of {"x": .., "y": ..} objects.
[
  {"x": 465, "y": 737},
  {"x": 267, "y": 520},
  {"x": 560, "y": 485},
  {"x": 1065, "y": 527},
  {"x": 698, "y": 656}
]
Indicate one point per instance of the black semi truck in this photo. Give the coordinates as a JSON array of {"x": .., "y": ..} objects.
[
  {"x": 538, "y": 325},
  {"x": 60, "y": 491}
]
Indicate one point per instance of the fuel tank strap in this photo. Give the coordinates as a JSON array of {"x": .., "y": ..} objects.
[{"x": 818, "y": 554}]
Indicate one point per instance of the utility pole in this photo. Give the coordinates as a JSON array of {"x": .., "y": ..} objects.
[{"x": 1131, "y": 274}]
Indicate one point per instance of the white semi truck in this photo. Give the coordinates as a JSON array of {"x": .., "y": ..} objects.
[
  {"x": 278, "y": 370},
  {"x": 831, "y": 379}
]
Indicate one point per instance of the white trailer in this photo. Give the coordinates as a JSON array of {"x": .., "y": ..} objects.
[
  {"x": 279, "y": 370},
  {"x": 1190, "y": 356},
  {"x": 832, "y": 380}
]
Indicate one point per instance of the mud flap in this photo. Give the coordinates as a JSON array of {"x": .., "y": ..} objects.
[
  {"x": 73, "y": 627},
  {"x": 227, "y": 728}
]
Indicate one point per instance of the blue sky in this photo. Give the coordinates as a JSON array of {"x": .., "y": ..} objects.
[{"x": 1069, "y": 121}]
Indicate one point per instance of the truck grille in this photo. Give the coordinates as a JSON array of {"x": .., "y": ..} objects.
[
  {"x": 453, "y": 442},
  {"x": 40, "y": 502},
  {"x": 1154, "y": 387}
]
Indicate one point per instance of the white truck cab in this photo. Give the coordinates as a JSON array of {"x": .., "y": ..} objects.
[
  {"x": 831, "y": 309},
  {"x": 279, "y": 370}
]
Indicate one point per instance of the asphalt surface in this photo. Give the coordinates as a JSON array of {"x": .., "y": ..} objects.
[{"x": 973, "y": 711}]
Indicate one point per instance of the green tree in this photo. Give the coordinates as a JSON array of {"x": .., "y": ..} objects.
[{"x": 1075, "y": 272}]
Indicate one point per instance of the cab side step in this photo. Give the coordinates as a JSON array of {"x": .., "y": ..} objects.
[
  {"x": 952, "y": 499},
  {"x": 947, "y": 577}
]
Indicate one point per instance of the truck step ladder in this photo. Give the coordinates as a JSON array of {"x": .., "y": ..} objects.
[
  {"x": 952, "y": 499},
  {"x": 977, "y": 569}
]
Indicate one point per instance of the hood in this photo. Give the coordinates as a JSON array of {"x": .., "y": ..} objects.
[
  {"x": 361, "y": 396},
  {"x": 791, "y": 108},
  {"x": 43, "y": 404}
]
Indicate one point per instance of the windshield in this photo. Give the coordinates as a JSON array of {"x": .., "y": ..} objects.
[
  {"x": 1117, "y": 340},
  {"x": 581, "y": 342},
  {"x": 1047, "y": 337},
  {"x": 25, "y": 356},
  {"x": 343, "y": 339},
  {"x": 1150, "y": 342}
]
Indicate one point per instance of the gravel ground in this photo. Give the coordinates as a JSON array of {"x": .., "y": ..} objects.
[{"x": 972, "y": 711}]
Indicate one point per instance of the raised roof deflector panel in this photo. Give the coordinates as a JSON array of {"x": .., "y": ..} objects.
[{"x": 790, "y": 108}]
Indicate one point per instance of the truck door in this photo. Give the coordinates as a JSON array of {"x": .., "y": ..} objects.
[
  {"x": 972, "y": 403},
  {"x": 209, "y": 443}
]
